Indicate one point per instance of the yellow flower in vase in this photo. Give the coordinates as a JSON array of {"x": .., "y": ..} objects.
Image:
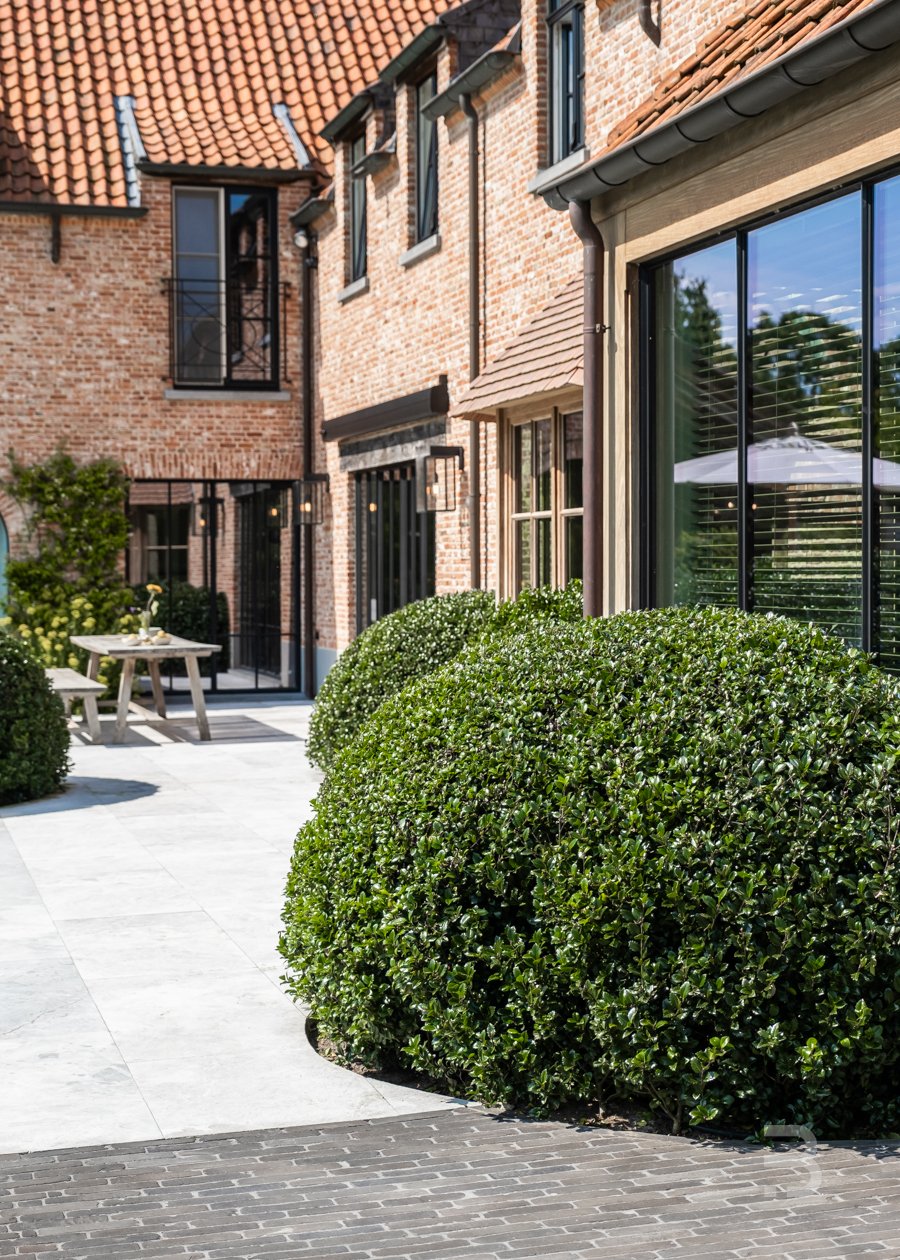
[{"x": 152, "y": 605}]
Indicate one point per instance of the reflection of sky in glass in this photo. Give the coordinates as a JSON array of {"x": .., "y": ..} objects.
[
  {"x": 809, "y": 261},
  {"x": 717, "y": 265},
  {"x": 887, "y": 258}
]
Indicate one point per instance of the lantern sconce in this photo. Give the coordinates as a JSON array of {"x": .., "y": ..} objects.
[
  {"x": 309, "y": 503},
  {"x": 277, "y": 511},
  {"x": 436, "y": 477},
  {"x": 202, "y": 516}
]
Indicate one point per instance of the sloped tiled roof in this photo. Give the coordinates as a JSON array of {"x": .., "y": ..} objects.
[
  {"x": 204, "y": 75},
  {"x": 748, "y": 41},
  {"x": 545, "y": 357}
]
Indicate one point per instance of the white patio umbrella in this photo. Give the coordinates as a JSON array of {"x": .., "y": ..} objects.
[{"x": 792, "y": 460}]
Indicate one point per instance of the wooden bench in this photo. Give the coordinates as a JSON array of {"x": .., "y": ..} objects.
[{"x": 70, "y": 685}]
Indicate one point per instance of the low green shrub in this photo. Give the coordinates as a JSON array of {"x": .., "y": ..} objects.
[
  {"x": 541, "y": 603},
  {"x": 34, "y": 737},
  {"x": 403, "y": 646},
  {"x": 653, "y": 857}
]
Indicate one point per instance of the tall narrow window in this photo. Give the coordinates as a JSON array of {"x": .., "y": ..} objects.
[
  {"x": 358, "y": 261},
  {"x": 546, "y": 501},
  {"x": 224, "y": 308},
  {"x": 426, "y": 162},
  {"x": 565, "y": 29}
]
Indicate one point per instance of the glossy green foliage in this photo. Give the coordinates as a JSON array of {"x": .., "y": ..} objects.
[
  {"x": 34, "y": 737},
  {"x": 653, "y": 857},
  {"x": 407, "y": 644}
]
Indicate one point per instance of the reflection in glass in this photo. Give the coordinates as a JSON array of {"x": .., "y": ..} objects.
[
  {"x": 804, "y": 464},
  {"x": 542, "y": 466},
  {"x": 522, "y": 554},
  {"x": 522, "y": 467},
  {"x": 887, "y": 420},
  {"x": 696, "y": 418},
  {"x": 573, "y": 461},
  {"x": 574, "y": 527}
]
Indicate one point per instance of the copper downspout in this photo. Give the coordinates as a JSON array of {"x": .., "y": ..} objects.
[
  {"x": 310, "y": 263},
  {"x": 594, "y": 260},
  {"x": 465, "y": 104}
]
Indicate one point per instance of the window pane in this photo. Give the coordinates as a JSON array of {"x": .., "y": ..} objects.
[
  {"x": 198, "y": 304},
  {"x": 804, "y": 459},
  {"x": 426, "y": 162},
  {"x": 249, "y": 288},
  {"x": 573, "y": 461},
  {"x": 357, "y": 212},
  {"x": 542, "y": 465},
  {"x": 196, "y": 223},
  {"x": 887, "y": 423},
  {"x": 696, "y": 429},
  {"x": 522, "y": 541},
  {"x": 574, "y": 539},
  {"x": 543, "y": 556},
  {"x": 522, "y": 467}
]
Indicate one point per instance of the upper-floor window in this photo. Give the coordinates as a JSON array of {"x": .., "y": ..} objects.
[
  {"x": 356, "y": 151},
  {"x": 426, "y": 162},
  {"x": 565, "y": 23},
  {"x": 224, "y": 294}
]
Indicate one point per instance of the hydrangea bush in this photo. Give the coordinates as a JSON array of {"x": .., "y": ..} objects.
[{"x": 654, "y": 857}]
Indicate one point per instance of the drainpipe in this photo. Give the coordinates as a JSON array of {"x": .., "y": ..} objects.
[
  {"x": 594, "y": 256},
  {"x": 310, "y": 263},
  {"x": 471, "y": 114}
]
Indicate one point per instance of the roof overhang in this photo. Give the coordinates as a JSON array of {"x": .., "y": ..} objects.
[
  {"x": 248, "y": 174},
  {"x": 348, "y": 117},
  {"x": 806, "y": 66},
  {"x": 59, "y": 209},
  {"x": 416, "y": 51},
  {"x": 422, "y": 405},
  {"x": 488, "y": 67},
  {"x": 313, "y": 208}
]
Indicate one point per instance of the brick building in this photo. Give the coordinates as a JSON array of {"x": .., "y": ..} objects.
[{"x": 434, "y": 413}]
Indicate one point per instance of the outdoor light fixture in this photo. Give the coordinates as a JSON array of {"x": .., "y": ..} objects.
[
  {"x": 277, "y": 512},
  {"x": 310, "y": 499},
  {"x": 436, "y": 478},
  {"x": 201, "y": 516}
]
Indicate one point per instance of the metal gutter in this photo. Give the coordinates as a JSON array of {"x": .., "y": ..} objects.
[
  {"x": 60, "y": 209},
  {"x": 488, "y": 67},
  {"x": 257, "y": 174},
  {"x": 310, "y": 265},
  {"x": 811, "y": 63},
  {"x": 377, "y": 159},
  {"x": 471, "y": 114},
  {"x": 313, "y": 208},
  {"x": 415, "y": 51},
  {"x": 352, "y": 111}
]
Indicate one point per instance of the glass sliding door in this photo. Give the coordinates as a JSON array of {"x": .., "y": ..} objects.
[
  {"x": 804, "y": 460},
  {"x": 696, "y": 428}
]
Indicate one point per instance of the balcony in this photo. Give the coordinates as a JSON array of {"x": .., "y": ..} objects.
[{"x": 227, "y": 335}]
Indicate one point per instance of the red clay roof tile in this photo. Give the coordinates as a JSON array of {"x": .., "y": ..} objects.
[{"x": 204, "y": 77}]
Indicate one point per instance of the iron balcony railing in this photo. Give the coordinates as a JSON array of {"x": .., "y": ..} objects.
[{"x": 227, "y": 335}]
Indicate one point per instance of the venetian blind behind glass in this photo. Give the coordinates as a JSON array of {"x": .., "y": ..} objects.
[
  {"x": 804, "y": 458},
  {"x": 887, "y": 423},
  {"x": 696, "y": 431}
]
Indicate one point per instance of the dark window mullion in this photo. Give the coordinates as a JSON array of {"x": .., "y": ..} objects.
[
  {"x": 869, "y": 596},
  {"x": 744, "y": 431}
]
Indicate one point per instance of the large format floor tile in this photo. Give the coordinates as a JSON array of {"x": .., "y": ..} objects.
[{"x": 139, "y": 974}]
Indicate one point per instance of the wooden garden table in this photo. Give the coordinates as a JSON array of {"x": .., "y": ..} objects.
[{"x": 116, "y": 646}]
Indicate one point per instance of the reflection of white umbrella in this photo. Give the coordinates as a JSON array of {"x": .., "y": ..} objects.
[{"x": 794, "y": 460}]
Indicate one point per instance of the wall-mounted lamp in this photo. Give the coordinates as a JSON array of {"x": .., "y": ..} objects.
[
  {"x": 309, "y": 500},
  {"x": 277, "y": 514},
  {"x": 201, "y": 516},
  {"x": 436, "y": 478}
]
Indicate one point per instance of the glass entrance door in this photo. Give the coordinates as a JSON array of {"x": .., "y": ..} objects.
[
  {"x": 395, "y": 544},
  {"x": 259, "y": 640}
]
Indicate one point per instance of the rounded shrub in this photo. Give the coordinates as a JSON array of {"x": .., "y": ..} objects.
[
  {"x": 34, "y": 737},
  {"x": 651, "y": 858},
  {"x": 407, "y": 644}
]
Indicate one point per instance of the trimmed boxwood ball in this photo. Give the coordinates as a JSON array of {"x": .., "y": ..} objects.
[
  {"x": 651, "y": 858},
  {"x": 34, "y": 737},
  {"x": 404, "y": 645}
]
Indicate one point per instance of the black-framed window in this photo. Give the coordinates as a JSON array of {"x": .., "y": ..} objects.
[
  {"x": 224, "y": 290},
  {"x": 546, "y": 506},
  {"x": 426, "y": 161},
  {"x": 356, "y": 151},
  {"x": 395, "y": 543},
  {"x": 771, "y": 403},
  {"x": 565, "y": 62}
]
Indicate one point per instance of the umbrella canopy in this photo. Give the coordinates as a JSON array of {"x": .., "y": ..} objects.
[{"x": 794, "y": 460}]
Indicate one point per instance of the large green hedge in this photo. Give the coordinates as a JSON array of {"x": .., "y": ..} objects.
[
  {"x": 653, "y": 857},
  {"x": 34, "y": 737},
  {"x": 406, "y": 644}
]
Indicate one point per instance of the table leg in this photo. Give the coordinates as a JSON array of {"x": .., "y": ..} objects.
[
  {"x": 124, "y": 699},
  {"x": 156, "y": 683},
  {"x": 92, "y": 718},
  {"x": 193, "y": 670},
  {"x": 93, "y": 666}
]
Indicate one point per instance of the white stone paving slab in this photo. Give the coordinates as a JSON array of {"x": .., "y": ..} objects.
[{"x": 139, "y": 916}]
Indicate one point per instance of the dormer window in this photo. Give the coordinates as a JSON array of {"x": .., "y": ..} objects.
[
  {"x": 426, "y": 161},
  {"x": 356, "y": 151},
  {"x": 565, "y": 29},
  {"x": 224, "y": 307}
]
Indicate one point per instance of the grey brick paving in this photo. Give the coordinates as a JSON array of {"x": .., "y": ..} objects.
[{"x": 449, "y": 1186}]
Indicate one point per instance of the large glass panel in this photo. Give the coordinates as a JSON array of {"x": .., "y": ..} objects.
[
  {"x": 522, "y": 467},
  {"x": 198, "y": 297},
  {"x": 886, "y": 443},
  {"x": 543, "y": 551},
  {"x": 426, "y": 162},
  {"x": 695, "y": 504},
  {"x": 542, "y": 465},
  {"x": 522, "y": 554},
  {"x": 574, "y": 538},
  {"x": 250, "y": 290},
  {"x": 573, "y": 461},
  {"x": 804, "y": 458},
  {"x": 357, "y": 211}
]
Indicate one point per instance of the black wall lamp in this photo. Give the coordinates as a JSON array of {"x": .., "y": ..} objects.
[
  {"x": 310, "y": 499},
  {"x": 436, "y": 477},
  {"x": 202, "y": 515}
]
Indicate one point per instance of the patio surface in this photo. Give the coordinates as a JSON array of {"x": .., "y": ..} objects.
[{"x": 139, "y": 914}]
